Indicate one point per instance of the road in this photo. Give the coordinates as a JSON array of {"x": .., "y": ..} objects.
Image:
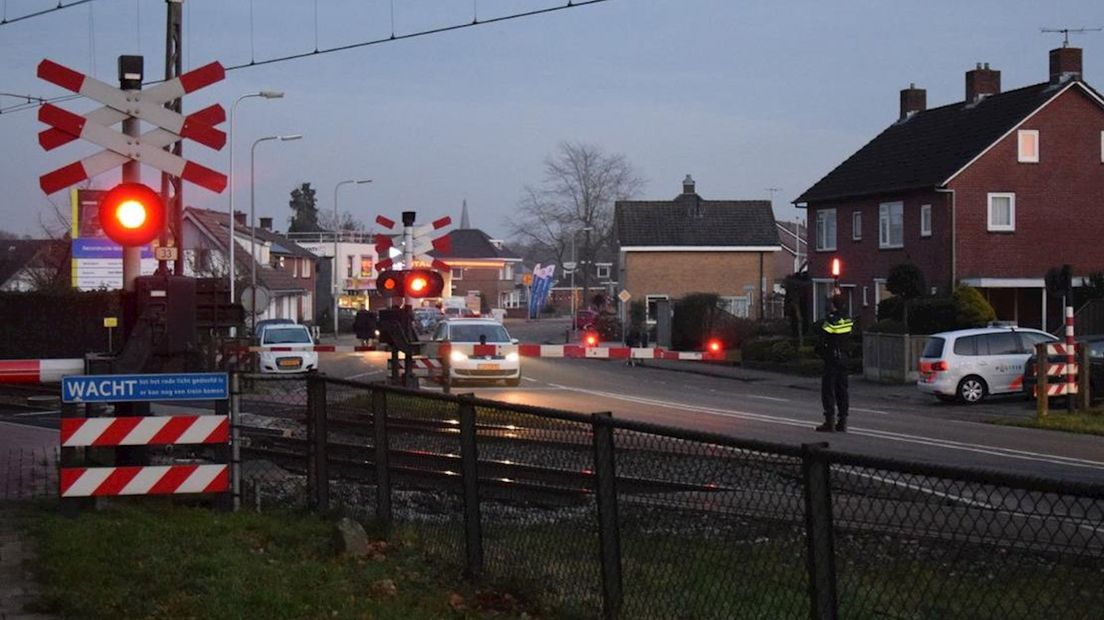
[{"x": 887, "y": 421}]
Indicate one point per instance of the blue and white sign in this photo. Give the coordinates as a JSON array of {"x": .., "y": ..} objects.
[
  {"x": 541, "y": 288},
  {"x": 135, "y": 388}
]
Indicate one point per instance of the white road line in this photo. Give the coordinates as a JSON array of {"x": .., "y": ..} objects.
[
  {"x": 34, "y": 413},
  {"x": 756, "y": 396},
  {"x": 879, "y": 412},
  {"x": 364, "y": 374},
  {"x": 530, "y": 379},
  {"x": 887, "y": 435}
]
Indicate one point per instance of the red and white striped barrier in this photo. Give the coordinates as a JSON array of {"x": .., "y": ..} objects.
[
  {"x": 1060, "y": 369},
  {"x": 139, "y": 480},
  {"x": 425, "y": 367},
  {"x": 318, "y": 348},
  {"x": 1061, "y": 389},
  {"x": 568, "y": 351},
  {"x": 1062, "y": 349},
  {"x": 145, "y": 431},
  {"x": 39, "y": 371}
]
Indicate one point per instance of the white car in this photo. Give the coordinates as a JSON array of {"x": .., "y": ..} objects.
[
  {"x": 970, "y": 364},
  {"x": 297, "y": 359},
  {"x": 464, "y": 365}
]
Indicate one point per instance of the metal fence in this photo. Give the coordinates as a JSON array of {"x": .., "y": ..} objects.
[{"x": 591, "y": 515}]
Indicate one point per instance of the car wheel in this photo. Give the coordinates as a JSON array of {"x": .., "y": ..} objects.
[{"x": 972, "y": 390}]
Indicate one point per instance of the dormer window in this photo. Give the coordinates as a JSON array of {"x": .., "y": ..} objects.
[{"x": 1028, "y": 146}]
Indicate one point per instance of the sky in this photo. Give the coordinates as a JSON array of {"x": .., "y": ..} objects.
[{"x": 743, "y": 95}]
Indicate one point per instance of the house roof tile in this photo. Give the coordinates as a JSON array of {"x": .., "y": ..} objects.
[{"x": 691, "y": 221}]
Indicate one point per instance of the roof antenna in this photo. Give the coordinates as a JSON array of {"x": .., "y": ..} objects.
[{"x": 1066, "y": 32}]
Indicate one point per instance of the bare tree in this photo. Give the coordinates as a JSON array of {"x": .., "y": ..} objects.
[
  {"x": 346, "y": 222},
  {"x": 581, "y": 183}
]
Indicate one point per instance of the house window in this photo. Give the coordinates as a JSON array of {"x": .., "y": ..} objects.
[
  {"x": 866, "y": 299},
  {"x": 650, "y": 307},
  {"x": 508, "y": 272},
  {"x": 1028, "y": 141},
  {"x": 737, "y": 306},
  {"x": 366, "y": 266},
  {"x": 925, "y": 220},
  {"x": 304, "y": 268},
  {"x": 826, "y": 230},
  {"x": 1002, "y": 212},
  {"x": 603, "y": 272},
  {"x": 348, "y": 266},
  {"x": 457, "y": 273},
  {"x": 856, "y": 225},
  {"x": 891, "y": 225}
]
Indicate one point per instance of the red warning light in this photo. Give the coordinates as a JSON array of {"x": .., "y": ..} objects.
[
  {"x": 591, "y": 339},
  {"x": 714, "y": 345},
  {"x": 131, "y": 214}
]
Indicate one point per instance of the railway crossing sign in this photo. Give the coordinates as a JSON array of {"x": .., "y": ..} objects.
[
  {"x": 119, "y": 105},
  {"x": 419, "y": 243}
]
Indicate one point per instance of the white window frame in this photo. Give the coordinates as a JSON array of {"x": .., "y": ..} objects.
[
  {"x": 457, "y": 273},
  {"x": 1020, "y": 155},
  {"x": 866, "y": 299},
  {"x": 823, "y": 243},
  {"x": 885, "y": 223},
  {"x": 648, "y": 299},
  {"x": 1011, "y": 226},
  {"x": 739, "y": 306},
  {"x": 304, "y": 268},
  {"x": 602, "y": 270},
  {"x": 856, "y": 225},
  {"x": 925, "y": 220},
  {"x": 1102, "y": 147}
]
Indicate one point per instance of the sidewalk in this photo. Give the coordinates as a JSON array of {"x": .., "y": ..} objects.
[{"x": 17, "y": 587}]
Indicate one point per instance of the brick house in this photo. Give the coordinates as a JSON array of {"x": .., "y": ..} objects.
[
  {"x": 989, "y": 192},
  {"x": 670, "y": 248},
  {"x": 283, "y": 267},
  {"x": 481, "y": 266}
]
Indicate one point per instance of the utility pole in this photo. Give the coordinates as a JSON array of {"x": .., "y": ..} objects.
[{"x": 172, "y": 188}]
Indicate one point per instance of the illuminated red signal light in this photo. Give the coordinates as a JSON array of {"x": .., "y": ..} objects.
[
  {"x": 714, "y": 345},
  {"x": 416, "y": 285},
  {"x": 591, "y": 339},
  {"x": 132, "y": 214},
  {"x": 835, "y": 267}
]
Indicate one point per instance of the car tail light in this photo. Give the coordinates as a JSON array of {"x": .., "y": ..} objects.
[{"x": 940, "y": 366}]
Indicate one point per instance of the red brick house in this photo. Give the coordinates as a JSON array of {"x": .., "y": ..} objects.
[{"x": 989, "y": 192}]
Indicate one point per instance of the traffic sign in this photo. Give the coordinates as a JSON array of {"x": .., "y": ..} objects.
[
  {"x": 263, "y": 298},
  {"x": 146, "y": 105},
  {"x": 150, "y": 387},
  {"x": 527, "y": 279},
  {"x": 624, "y": 296}
]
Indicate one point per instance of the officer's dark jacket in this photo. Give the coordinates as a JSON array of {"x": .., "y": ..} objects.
[{"x": 835, "y": 331}]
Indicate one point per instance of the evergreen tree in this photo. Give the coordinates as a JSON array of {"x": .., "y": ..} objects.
[{"x": 304, "y": 210}]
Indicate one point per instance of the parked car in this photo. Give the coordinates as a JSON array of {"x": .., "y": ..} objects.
[
  {"x": 970, "y": 364},
  {"x": 456, "y": 312},
  {"x": 465, "y": 367},
  {"x": 1096, "y": 368},
  {"x": 426, "y": 319},
  {"x": 298, "y": 336}
]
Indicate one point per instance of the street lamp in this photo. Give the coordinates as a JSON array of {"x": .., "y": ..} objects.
[
  {"x": 267, "y": 94},
  {"x": 574, "y": 266},
  {"x": 337, "y": 227},
  {"x": 252, "y": 217}
]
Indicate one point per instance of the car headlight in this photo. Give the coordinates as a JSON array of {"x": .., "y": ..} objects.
[
  {"x": 512, "y": 356},
  {"x": 458, "y": 356}
]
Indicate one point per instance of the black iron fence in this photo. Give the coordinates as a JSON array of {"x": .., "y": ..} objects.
[{"x": 597, "y": 516}]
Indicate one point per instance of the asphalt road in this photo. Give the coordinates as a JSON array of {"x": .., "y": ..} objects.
[{"x": 888, "y": 421}]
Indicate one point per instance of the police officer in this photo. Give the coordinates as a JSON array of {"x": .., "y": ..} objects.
[{"x": 835, "y": 332}]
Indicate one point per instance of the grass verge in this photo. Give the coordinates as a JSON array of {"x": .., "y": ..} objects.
[
  {"x": 1081, "y": 422},
  {"x": 162, "y": 561}
]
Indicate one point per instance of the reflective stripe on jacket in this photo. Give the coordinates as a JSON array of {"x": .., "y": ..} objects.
[{"x": 841, "y": 325}]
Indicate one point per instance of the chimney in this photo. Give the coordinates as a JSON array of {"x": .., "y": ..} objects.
[
  {"x": 1065, "y": 64},
  {"x": 981, "y": 83},
  {"x": 266, "y": 223},
  {"x": 239, "y": 218},
  {"x": 913, "y": 100},
  {"x": 688, "y": 185}
]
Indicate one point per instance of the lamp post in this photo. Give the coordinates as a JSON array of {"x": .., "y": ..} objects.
[
  {"x": 574, "y": 266},
  {"x": 337, "y": 228},
  {"x": 267, "y": 94},
  {"x": 253, "y": 219}
]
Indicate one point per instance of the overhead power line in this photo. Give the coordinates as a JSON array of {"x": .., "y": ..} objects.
[
  {"x": 571, "y": 4},
  {"x": 5, "y": 20}
]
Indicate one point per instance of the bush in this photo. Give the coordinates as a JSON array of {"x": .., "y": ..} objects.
[
  {"x": 698, "y": 317},
  {"x": 971, "y": 309},
  {"x": 759, "y": 349},
  {"x": 782, "y": 351},
  {"x": 890, "y": 326},
  {"x": 932, "y": 314},
  {"x": 891, "y": 308}
]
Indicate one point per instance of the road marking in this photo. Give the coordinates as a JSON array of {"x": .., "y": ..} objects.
[
  {"x": 364, "y": 374},
  {"x": 774, "y": 398},
  {"x": 887, "y": 435},
  {"x": 530, "y": 379},
  {"x": 879, "y": 412},
  {"x": 34, "y": 413}
]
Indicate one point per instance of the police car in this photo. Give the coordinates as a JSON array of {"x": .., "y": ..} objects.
[{"x": 969, "y": 364}]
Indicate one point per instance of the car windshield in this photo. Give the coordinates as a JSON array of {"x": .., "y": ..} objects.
[
  {"x": 473, "y": 332},
  {"x": 286, "y": 335}
]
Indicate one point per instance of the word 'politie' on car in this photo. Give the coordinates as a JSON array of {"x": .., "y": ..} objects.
[
  {"x": 970, "y": 364},
  {"x": 465, "y": 366},
  {"x": 298, "y": 359}
]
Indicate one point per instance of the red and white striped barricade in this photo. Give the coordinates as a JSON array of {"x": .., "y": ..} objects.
[
  {"x": 39, "y": 371},
  {"x": 1067, "y": 370},
  {"x": 144, "y": 431}
]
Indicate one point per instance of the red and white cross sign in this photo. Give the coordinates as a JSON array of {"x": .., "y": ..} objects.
[{"x": 145, "y": 105}]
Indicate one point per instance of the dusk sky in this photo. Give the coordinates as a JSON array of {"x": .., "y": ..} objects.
[{"x": 744, "y": 96}]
